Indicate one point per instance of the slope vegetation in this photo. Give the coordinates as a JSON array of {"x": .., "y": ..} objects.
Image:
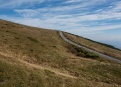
[
  {"x": 100, "y": 47},
  {"x": 35, "y": 57}
]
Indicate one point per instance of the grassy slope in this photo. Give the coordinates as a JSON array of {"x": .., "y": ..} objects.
[
  {"x": 32, "y": 57},
  {"x": 95, "y": 46}
]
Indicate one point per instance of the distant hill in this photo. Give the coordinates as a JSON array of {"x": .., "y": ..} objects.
[{"x": 36, "y": 57}]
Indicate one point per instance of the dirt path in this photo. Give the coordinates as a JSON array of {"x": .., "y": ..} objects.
[
  {"x": 46, "y": 68},
  {"x": 90, "y": 50},
  {"x": 56, "y": 71}
]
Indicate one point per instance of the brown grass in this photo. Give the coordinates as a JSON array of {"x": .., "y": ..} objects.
[
  {"x": 35, "y": 57},
  {"x": 95, "y": 46}
]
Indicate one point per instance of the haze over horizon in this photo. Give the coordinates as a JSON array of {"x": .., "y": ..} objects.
[{"x": 98, "y": 20}]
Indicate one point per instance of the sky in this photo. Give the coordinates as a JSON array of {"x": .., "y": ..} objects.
[{"x": 98, "y": 20}]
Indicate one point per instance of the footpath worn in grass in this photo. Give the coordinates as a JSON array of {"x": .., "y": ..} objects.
[{"x": 35, "y": 57}]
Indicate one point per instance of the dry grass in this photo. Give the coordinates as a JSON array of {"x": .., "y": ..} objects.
[
  {"x": 34, "y": 57},
  {"x": 95, "y": 46}
]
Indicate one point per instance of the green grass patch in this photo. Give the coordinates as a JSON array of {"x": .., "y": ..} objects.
[{"x": 81, "y": 52}]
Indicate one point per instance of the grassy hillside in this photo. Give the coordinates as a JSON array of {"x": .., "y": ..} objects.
[
  {"x": 100, "y": 47},
  {"x": 35, "y": 57}
]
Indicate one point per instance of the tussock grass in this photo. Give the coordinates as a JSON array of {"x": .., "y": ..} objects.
[{"x": 46, "y": 48}]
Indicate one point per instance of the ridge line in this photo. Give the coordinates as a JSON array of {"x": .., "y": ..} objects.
[{"x": 90, "y": 50}]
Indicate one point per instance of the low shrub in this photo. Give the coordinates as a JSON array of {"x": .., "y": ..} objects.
[
  {"x": 81, "y": 52},
  {"x": 92, "y": 55}
]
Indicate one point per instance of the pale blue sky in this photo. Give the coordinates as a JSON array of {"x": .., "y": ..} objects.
[{"x": 95, "y": 19}]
